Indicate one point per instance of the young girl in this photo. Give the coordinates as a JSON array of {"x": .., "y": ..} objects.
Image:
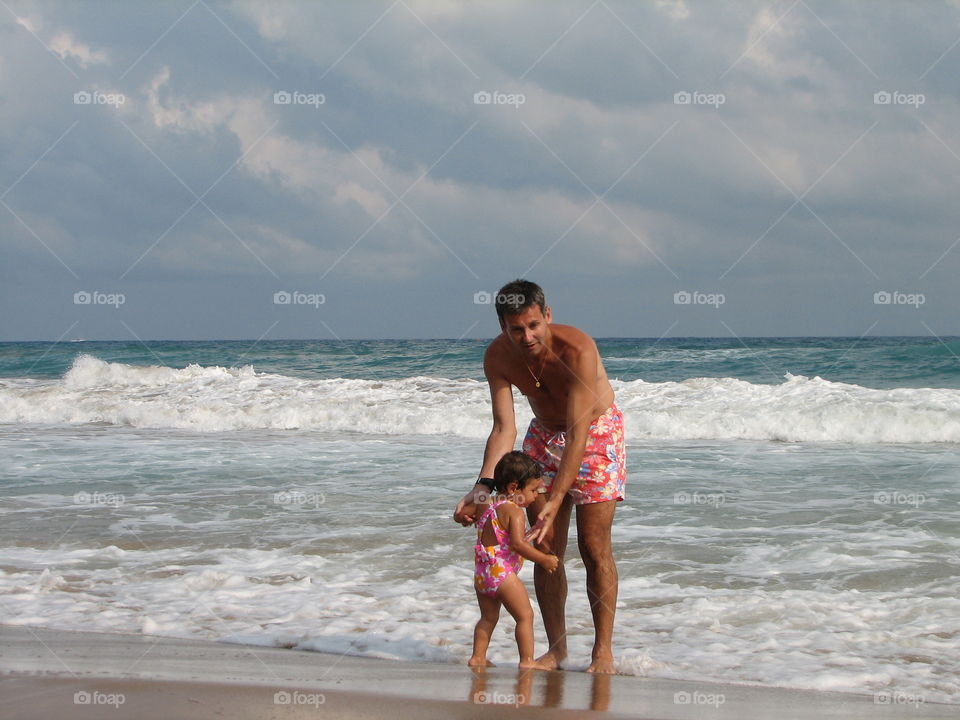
[{"x": 499, "y": 554}]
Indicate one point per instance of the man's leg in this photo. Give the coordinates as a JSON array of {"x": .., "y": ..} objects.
[
  {"x": 551, "y": 588},
  {"x": 594, "y": 522}
]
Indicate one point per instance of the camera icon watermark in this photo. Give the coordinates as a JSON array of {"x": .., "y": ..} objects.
[
  {"x": 295, "y": 297},
  {"x": 896, "y": 297},
  {"x": 99, "y": 499},
  {"x": 499, "y": 698},
  {"x": 496, "y": 97},
  {"x": 684, "y": 297},
  {"x": 699, "y": 498},
  {"x": 884, "y": 97},
  {"x": 83, "y": 297},
  {"x": 896, "y": 697},
  {"x": 295, "y": 697},
  {"x": 895, "y": 497},
  {"x": 482, "y": 297},
  {"x": 284, "y": 97},
  {"x": 85, "y": 97},
  {"x": 298, "y": 499},
  {"x": 85, "y": 697},
  {"x": 699, "y": 698},
  {"x": 109, "y": 499},
  {"x": 485, "y": 497},
  {"x": 696, "y": 97}
]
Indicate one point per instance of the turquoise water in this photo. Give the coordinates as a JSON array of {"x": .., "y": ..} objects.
[{"x": 871, "y": 362}]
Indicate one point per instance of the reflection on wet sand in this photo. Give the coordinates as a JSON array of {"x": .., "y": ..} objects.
[{"x": 536, "y": 688}]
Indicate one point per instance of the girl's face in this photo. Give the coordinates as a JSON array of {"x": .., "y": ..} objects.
[{"x": 525, "y": 496}]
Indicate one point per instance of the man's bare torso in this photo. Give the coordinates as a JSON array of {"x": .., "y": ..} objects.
[{"x": 549, "y": 401}]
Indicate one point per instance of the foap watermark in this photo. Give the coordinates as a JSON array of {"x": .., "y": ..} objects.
[
  {"x": 499, "y": 98},
  {"x": 499, "y": 698},
  {"x": 488, "y": 497},
  {"x": 95, "y": 697},
  {"x": 896, "y": 697},
  {"x": 896, "y": 297},
  {"x": 895, "y": 497},
  {"x": 696, "y": 97},
  {"x": 895, "y": 97},
  {"x": 295, "y": 697},
  {"x": 699, "y": 498},
  {"x": 284, "y": 97},
  {"x": 295, "y": 297},
  {"x": 99, "y": 499},
  {"x": 83, "y": 297},
  {"x": 296, "y": 498},
  {"x": 85, "y": 97},
  {"x": 699, "y": 698},
  {"x": 482, "y": 297},
  {"x": 684, "y": 297}
]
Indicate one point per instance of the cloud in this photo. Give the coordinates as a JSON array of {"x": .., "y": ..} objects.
[
  {"x": 63, "y": 43},
  {"x": 27, "y": 23},
  {"x": 364, "y": 183},
  {"x": 688, "y": 190}
]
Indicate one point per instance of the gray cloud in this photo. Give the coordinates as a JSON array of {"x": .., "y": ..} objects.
[{"x": 695, "y": 197}]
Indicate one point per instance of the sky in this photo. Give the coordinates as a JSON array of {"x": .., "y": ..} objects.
[{"x": 205, "y": 170}]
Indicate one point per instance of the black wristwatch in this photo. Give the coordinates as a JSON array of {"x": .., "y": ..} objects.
[{"x": 486, "y": 482}]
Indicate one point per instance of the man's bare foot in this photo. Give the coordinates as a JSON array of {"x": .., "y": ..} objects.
[
  {"x": 479, "y": 662},
  {"x": 603, "y": 665},
  {"x": 535, "y": 665},
  {"x": 551, "y": 660}
]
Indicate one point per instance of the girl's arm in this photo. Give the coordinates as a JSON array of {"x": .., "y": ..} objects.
[
  {"x": 516, "y": 528},
  {"x": 478, "y": 507}
]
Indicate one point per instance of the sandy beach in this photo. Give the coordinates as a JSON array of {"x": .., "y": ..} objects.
[{"x": 52, "y": 673}]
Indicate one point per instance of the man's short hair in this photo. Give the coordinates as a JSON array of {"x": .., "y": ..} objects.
[{"x": 517, "y": 296}]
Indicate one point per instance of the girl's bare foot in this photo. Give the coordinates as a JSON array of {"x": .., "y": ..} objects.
[
  {"x": 479, "y": 662},
  {"x": 535, "y": 665}
]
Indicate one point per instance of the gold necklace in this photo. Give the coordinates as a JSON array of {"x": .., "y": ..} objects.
[{"x": 535, "y": 378}]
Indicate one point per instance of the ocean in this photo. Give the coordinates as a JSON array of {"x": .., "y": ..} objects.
[{"x": 791, "y": 514}]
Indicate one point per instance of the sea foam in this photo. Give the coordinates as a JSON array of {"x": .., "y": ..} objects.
[{"x": 218, "y": 399}]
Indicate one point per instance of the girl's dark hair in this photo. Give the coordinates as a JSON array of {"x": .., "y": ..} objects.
[{"x": 515, "y": 467}]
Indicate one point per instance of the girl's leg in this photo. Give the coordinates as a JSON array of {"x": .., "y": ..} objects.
[
  {"x": 489, "y": 614},
  {"x": 514, "y": 597}
]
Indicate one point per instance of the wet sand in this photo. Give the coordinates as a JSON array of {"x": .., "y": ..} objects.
[{"x": 55, "y": 673}]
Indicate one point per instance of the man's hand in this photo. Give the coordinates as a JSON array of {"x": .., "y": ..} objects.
[
  {"x": 544, "y": 521},
  {"x": 462, "y": 517},
  {"x": 466, "y": 512}
]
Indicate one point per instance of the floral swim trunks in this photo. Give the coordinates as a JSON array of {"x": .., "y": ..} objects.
[{"x": 603, "y": 472}]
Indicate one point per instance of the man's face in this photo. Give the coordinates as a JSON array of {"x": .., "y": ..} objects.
[{"x": 528, "y": 330}]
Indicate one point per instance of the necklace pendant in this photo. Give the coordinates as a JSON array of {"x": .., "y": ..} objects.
[{"x": 538, "y": 383}]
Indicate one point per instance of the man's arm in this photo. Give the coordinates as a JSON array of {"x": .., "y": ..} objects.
[
  {"x": 502, "y": 436},
  {"x": 581, "y": 401}
]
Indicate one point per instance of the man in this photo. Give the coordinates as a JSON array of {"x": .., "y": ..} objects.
[{"x": 577, "y": 435}]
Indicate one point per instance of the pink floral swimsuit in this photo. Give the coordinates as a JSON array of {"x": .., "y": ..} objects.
[{"x": 494, "y": 563}]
